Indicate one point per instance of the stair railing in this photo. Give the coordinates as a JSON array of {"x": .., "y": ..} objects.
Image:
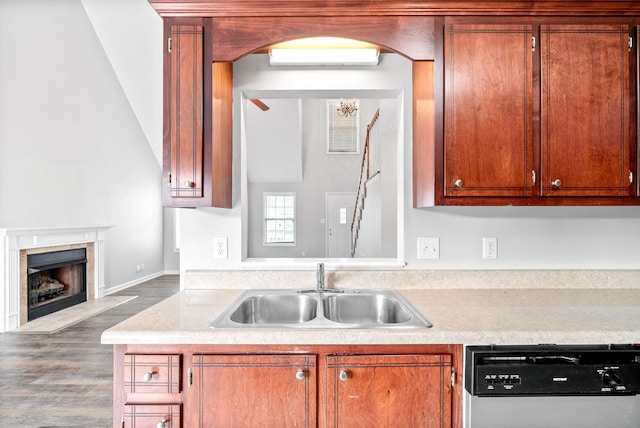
[{"x": 361, "y": 192}]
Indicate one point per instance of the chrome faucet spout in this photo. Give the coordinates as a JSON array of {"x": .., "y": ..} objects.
[{"x": 320, "y": 277}]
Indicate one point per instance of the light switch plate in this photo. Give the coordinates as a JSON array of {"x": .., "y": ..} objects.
[{"x": 428, "y": 248}]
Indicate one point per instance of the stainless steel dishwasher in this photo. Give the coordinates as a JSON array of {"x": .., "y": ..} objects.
[{"x": 552, "y": 386}]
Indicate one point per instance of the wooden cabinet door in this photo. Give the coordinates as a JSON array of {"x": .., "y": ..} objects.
[
  {"x": 253, "y": 391},
  {"x": 389, "y": 391},
  {"x": 585, "y": 110},
  {"x": 488, "y": 147},
  {"x": 184, "y": 144},
  {"x": 198, "y": 120}
]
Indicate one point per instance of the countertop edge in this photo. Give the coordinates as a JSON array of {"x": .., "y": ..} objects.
[{"x": 470, "y": 316}]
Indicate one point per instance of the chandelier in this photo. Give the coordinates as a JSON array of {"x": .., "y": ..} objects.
[{"x": 347, "y": 107}]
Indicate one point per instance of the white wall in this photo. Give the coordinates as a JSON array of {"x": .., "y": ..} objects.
[
  {"x": 130, "y": 32},
  {"x": 528, "y": 237},
  {"x": 72, "y": 150}
]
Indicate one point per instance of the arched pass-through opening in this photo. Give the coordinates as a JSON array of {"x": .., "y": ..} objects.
[
  {"x": 413, "y": 37},
  {"x": 409, "y": 36}
]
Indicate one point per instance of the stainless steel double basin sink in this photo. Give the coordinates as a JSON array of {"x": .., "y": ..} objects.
[{"x": 329, "y": 308}]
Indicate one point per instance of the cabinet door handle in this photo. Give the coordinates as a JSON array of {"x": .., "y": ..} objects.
[
  {"x": 344, "y": 375},
  {"x": 557, "y": 183},
  {"x": 162, "y": 423},
  {"x": 190, "y": 184},
  {"x": 148, "y": 376},
  {"x": 300, "y": 374},
  {"x": 458, "y": 183}
]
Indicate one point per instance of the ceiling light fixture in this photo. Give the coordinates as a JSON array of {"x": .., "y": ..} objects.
[
  {"x": 324, "y": 51},
  {"x": 324, "y": 57},
  {"x": 347, "y": 107}
]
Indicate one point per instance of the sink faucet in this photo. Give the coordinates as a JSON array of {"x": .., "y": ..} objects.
[{"x": 320, "y": 277}]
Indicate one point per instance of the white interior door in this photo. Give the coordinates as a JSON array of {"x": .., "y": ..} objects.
[{"x": 339, "y": 207}]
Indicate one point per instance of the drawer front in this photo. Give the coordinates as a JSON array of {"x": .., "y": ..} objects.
[
  {"x": 158, "y": 374},
  {"x": 152, "y": 416}
]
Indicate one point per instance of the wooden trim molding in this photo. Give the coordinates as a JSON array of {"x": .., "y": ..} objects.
[
  {"x": 411, "y": 36},
  {"x": 300, "y": 8},
  {"x": 423, "y": 134}
]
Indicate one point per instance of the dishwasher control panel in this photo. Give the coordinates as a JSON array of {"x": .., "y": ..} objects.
[{"x": 552, "y": 370}]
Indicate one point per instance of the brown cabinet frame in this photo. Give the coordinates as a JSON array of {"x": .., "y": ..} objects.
[
  {"x": 414, "y": 30},
  {"x": 187, "y": 352}
]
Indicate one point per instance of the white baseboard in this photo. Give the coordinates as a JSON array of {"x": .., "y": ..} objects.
[{"x": 137, "y": 281}]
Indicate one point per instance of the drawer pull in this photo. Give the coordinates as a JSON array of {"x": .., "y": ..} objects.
[
  {"x": 300, "y": 374},
  {"x": 162, "y": 423},
  {"x": 344, "y": 375},
  {"x": 148, "y": 376}
]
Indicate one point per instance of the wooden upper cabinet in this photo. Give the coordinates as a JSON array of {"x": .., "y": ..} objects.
[
  {"x": 585, "y": 110},
  {"x": 185, "y": 100},
  {"x": 488, "y": 142},
  {"x": 389, "y": 390},
  {"x": 536, "y": 115},
  {"x": 197, "y": 121}
]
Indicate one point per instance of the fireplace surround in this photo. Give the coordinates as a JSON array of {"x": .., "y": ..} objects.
[{"x": 16, "y": 245}]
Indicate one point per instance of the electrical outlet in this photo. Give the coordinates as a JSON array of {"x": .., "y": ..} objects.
[
  {"x": 220, "y": 248},
  {"x": 428, "y": 248},
  {"x": 489, "y": 248}
]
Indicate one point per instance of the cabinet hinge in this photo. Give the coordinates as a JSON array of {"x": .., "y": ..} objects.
[
  {"x": 533, "y": 43},
  {"x": 453, "y": 376},
  {"x": 630, "y": 43},
  {"x": 122, "y": 423},
  {"x": 190, "y": 377},
  {"x": 533, "y": 178},
  {"x": 630, "y": 177},
  {"x": 169, "y": 44},
  {"x": 169, "y": 174}
]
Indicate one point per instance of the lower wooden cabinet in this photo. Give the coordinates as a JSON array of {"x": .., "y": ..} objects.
[
  {"x": 253, "y": 390},
  {"x": 389, "y": 390},
  {"x": 292, "y": 386}
]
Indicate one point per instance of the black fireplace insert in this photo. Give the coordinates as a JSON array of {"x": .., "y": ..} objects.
[{"x": 56, "y": 281}]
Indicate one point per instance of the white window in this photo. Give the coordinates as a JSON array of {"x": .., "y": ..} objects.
[
  {"x": 279, "y": 218},
  {"x": 343, "y": 131}
]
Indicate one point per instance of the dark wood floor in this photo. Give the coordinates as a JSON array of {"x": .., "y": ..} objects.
[{"x": 65, "y": 379}]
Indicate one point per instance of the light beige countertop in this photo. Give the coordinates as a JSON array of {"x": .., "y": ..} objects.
[{"x": 459, "y": 316}]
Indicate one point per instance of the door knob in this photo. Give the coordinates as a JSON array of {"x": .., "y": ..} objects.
[{"x": 557, "y": 183}]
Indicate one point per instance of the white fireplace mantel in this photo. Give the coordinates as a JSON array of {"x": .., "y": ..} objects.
[{"x": 12, "y": 241}]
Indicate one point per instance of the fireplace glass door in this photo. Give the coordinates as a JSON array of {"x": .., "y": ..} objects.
[{"x": 56, "y": 281}]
